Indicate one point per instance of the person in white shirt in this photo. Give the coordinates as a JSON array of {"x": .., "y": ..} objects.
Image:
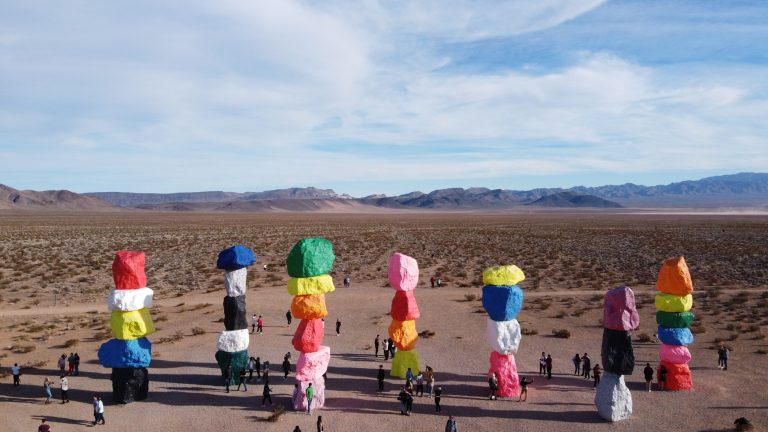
[
  {"x": 16, "y": 372},
  {"x": 254, "y": 320},
  {"x": 64, "y": 389}
]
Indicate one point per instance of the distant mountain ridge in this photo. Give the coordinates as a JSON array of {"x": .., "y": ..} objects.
[
  {"x": 572, "y": 199},
  {"x": 130, "y": 199},
  {"x": 15, "y": 199}
]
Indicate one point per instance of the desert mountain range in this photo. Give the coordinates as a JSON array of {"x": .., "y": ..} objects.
[{"x": 737, "y": 191}]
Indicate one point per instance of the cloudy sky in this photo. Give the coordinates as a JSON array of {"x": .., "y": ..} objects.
[{"x": 375, "y": 96}]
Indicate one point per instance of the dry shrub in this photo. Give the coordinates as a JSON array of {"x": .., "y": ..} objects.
[
  {"x": 179, "y": 335},
  {"x": 367, "y": 347},
  {"x": 196, "y": 331},
  {"x": 644, "y": 337},
  {"x": 102, "y": 335},
  {"x": 71, "y": 343},
  {"x": 22, "y": 349},
  {"x": 426, "y": 334},
  {"x": 529, "y": 331},
  {"x": 277, "y": 414},
  {"x": 561, "y": 333},
  {"x": 470, "y": 297}
]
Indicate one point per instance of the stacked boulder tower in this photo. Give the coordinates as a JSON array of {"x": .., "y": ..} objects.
[
  {"x": 673, "y": 305},
  {"x": 403, "y": 275},
  {"x": 308, "y": 263},
  {"x": 130, "y": 352},
  {"x": 502, "y": 300},
  {"x": 613, "y": 398},
  {"x": 232, "y": 345}
]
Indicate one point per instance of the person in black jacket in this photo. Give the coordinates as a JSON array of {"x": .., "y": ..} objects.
[
  {"x": 648, "y": 372},
  {"x": 380, "y": 377}
]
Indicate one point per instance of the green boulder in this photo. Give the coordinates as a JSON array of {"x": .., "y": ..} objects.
[
  {"x": 238, "y": 360},
  {"x": 310, "y": 257},
  {"x": 674, "y": 320}
]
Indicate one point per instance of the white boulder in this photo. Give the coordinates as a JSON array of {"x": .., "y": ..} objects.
[
  {"x": 233, "y": 341},
  {"x": 613, "y": 399},
  {"x": 503, "y": 336},
  {"x": 128, "y": 300},
  {"x": 235, "y": 282}
]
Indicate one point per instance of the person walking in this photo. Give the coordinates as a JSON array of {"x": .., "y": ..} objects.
[
  {"x": 549, "y": 366},
  {"x": 542, "y": 364},
  {"x": 254, "y": 321},
  {"x": 577, "y": 364},
  {"x": 77, "y": 364},
  {"x": 100, "y": 411},
  {"x": 71, "y": 364},
  {"x": 430, "y": 381},
  {"x": 260, "y": 325},
  {"x": 288, "y": 317},
  {"x": 266, "y": 393},
  {"x": 95, "y": 410},
  {"x": 62, "y": 362},
  {"x": 420, "y": 384},
  {"x": 44, "y": 427},
  {"x": 338, "y": 327},
  {"x": 586, "y": 365},
  {"x": 47, "y": 390},
  {"x": 438, "y": 395},
  {"x": 380, "y": 378},
  {"x": 310, "y": 395},
  {"x": 64, "y": 389},
  {"x": 493, "y": 385},
  {"x": 392, "y": 348},
  {"x": 386, "y": 349},
  {"x": 648, "y": 372},
  {"x": 724, "y": 357},
  {"x": 450, "y": 425},
  {"x": 257, "y": 363},
  {"x": 227, "y": 376},
  {"x": 402, "y": 397},
  {"x": 662, "y": 376},
  {"x": 265, "y": 370},
  {"x": 251, "y": 366},
  {"x": 16, "y": 372},
  {"x": 286, "y": 367},
  {"x": 524, "y": 389},
  {"x": 596, "y": 374},
  {"x": 241, "y": 380},
  {"x": 320, "y": 424},
  {"x": 376, "y": 346},
  {"x": 432, "y": 281},
  {"x": 346, "y": 281}
]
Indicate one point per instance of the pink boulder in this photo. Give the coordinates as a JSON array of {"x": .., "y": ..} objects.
[
  {"x": 404, "y": 307},
  {"x": 678, "y": 376},
  {"x": 308, "y": 336},
  {"x": 312, "y": 364},
  {"x": 674, "y": 354},
  {"x": 506, "y": 374},
  {"x": 300, "y": 395},
  {"x": 620, "y": 312},
  {"x": 403, "y": 272}
]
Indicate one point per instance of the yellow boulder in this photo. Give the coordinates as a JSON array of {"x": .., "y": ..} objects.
[
  {"x": 673, "y": 303},
  {"x": 404, "y": 360},
  {"x": 403, "y": 334},
  {"x": 507, "y": 275},
  {"x": 310, "y": 285},
  {"x": 132, "y": 324}
]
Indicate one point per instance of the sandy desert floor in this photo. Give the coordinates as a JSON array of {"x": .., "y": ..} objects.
[{"x": 570, "y": 259}]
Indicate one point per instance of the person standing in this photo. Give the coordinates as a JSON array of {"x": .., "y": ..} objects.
[
  {"x": 524, "y": 389},
  {"x": 64, "y": 389},
  {"x": 438, "y": 395},
  {"x": 320, "y": 424},
  {"x": 450, "y": 425},
  {"x": 432, "y": 281},
  {"x": 430, "y": 381},
  {"x": 95, "y": 410},
  {"x": 288, "y": 317},
  {"x": 648, "y": 372},
  {"x": 493, "y": 385},
  {"x": 77, "y": 364},
  {"x": 586, "y": 365},
  {"x": 62, "y": 362},
  {"x": 16, "y": 372},
  {"x": 241, "y": 380},
  {"x": 44, "y": 427},
  {"x": 724, "y": 357},
  {"x": 346, "y": 281},
  {"x": 100, "y": 410},
  {"x": 310, "y": 395},
  {"x": 402, "y": 398},
  {"x": 420, "y": 384},
  {"x": 265, "y": 370},
  {"x": 549, "y": 366},
  {"x": 542, "y": 364},
  {"x": 297, "y": 429},
  {"x": 391, "y": 348},
  {"x": 376, "y": 346},
  {"x": 47, "y": 390},
  {"x": 71, "y": 364},
  {"x": 577, "y": 364},
  {"x": 596, "y": 374},
  {"x": 251, "y": 367},
  {"x": 260, "y": 325},
  {"x": 409, "y": 376},
  {"x": 662, "y": 376},
  {"x": 266, "y": 394},
  {"x": 386, "y": 349},
  {"x": 380, "y": 378},
  {"x": 227, "y": 376},
  {"x": 286, "y": 367},
  {"x": 258, "y": 369},
  {"x": 338, "y": 327},
  {"x": 254, "y": 321}
]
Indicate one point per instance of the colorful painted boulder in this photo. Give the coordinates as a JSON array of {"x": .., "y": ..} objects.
[
  {"x": 507, "y": 275},
  {"x": 313, "y": 364},
  {"x": 134, "y": 353},
  {"x": 310, "y": 257},
  {"x": 129, "y": 299},
  {"x": 677, "y": 354},
  {"x": 404, "y": 334},
  {"x": 235, "y": 258},
  {"x": 503, "y": 336},
  {"x": 502, "y": 303},
  {"x": 238, "y": 360},
  {"x": 129, "y": 384},
  {"x": 617, "y": 354},
  {"x": 673, "y": 303},
  {"x": 404, "y": 307},
  {"x": 308, "y": 336},
  {"x": 235, "y": 282},
  {"x": 310, "y": 285},
  {"x": 403, "y": 272},
  {"x": 678, "y": 377},
  {"x": 233, "y": 341},
  {"x": 506, "y": 374},
  {"x": 619, "y": 312},
  {"x": 128, "y": 270},
  {"x": 675, "y": 320},
  {"x": 308, "y": 307},
  {"x": 131, "y": 324},
  {"x": 674, "y": 277},
  {"x": 235, "y": 316},
  {"x": 675, "y": 336},
  {"x": 404, "y": 360},
  {"x": 613, "y": 399}
]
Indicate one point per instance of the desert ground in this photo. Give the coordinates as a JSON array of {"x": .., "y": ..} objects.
[{"x": 55, "y": 275}]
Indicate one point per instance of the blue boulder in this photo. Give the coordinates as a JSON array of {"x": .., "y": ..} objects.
[
  {"x": 675, "y": 336},
  {"x": 502, "y": 303},
  {"x": 136, "y": 353},
  {"x": 235, "y": 258}
]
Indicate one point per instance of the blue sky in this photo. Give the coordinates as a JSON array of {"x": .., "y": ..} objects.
[{"x": 379, "y": 96}]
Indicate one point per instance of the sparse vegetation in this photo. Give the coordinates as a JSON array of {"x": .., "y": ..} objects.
[
  {"x": 426, "y": 334},
  {"x": 196, "y": 331},
  {"x": 561, "y": 333}
]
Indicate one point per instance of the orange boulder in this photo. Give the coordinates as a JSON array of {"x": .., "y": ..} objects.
[
  {"x": 674, "y": 277},
  {"x": 403, "y": 334},
  {"x": 311, "y": 306}
]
